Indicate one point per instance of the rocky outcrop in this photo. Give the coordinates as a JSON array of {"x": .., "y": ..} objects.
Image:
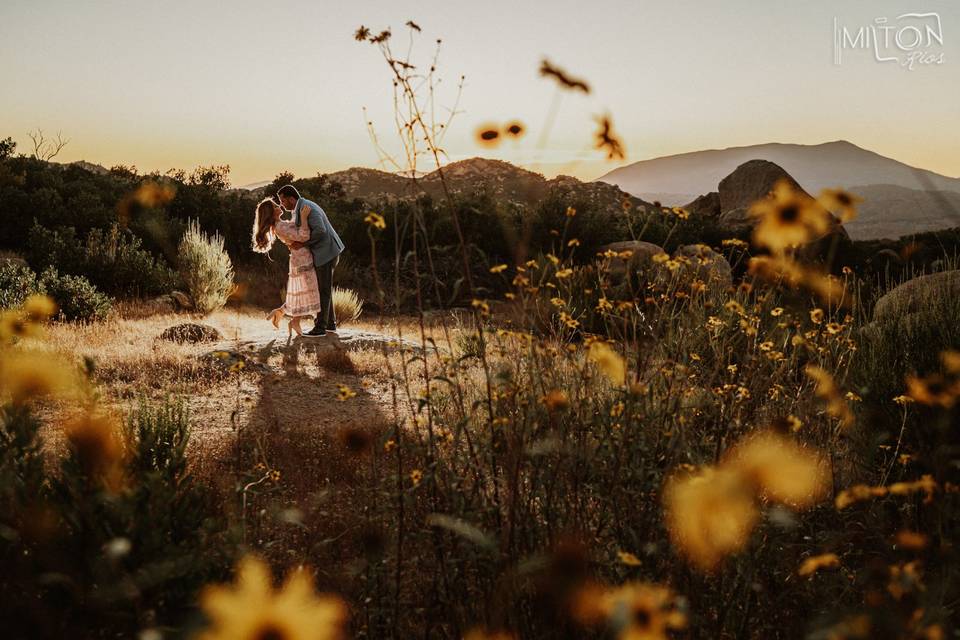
[
  {"x": 191, "y": 333},
  {"x": 705, "y": 206},
  {"x": 918, "y": 294},
  {"x": 752, "y": 181},
  {"x": 749, "y": 182},
  {"x": 700, "y": 262},
  {"x": 640, "y": 257}
]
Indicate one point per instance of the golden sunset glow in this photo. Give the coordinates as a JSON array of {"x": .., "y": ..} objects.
[{"x": 283, "y": 87}]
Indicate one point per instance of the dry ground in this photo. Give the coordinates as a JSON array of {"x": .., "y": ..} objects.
[{"x": 280, "y": 415}]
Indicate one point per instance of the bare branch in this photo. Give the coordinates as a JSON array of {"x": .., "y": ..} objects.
[
  {"x": 38, "y": 142},
  {"x": 56, "y": 146},
  {"x": 44, "y": 149}
]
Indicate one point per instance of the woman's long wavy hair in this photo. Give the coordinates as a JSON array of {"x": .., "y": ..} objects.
[{"x": 263, "y": 221}]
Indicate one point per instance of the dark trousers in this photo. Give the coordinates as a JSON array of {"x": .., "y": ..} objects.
[{"x": 326, "y": 318}]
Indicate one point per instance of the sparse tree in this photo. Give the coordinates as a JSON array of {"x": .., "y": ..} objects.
[
  {"x": 44, "y": 148},
  {"x": 177, "y": 174},
  {"x": 124, "y": 172},
  {"x": 7, "y": 147},
  {"x": 282, "y": 178},
  {"x": 215, "y": 176}
]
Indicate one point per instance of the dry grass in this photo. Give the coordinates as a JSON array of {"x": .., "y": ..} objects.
[
  {"x": 336, "y": 361},
  {"x": 130, "y": 358}
]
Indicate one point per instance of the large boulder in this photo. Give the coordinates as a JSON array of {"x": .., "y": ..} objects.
[
  {"x": 706, "y": 206},
  {"x": 632, "y": 256},
  {"x": 754, "y": 180},
  {"x": 190, "y": 332},
  {"x": 919, "y": 294},
  {"x": 749, "y": 182},
  {"x": 703, "y": 263}
]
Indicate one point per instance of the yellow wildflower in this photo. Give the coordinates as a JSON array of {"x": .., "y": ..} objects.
[
  {"x": 251, "y": 608},
  {"x": 814, "y": 563},
  {"x": 375, "y": 220}
]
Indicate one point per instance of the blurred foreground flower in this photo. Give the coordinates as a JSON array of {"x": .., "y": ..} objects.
[
  {"x": 97, "y": 443},
  {"x": 251, "y": 609},
  {"x": 781, "y": 469},
  {"x": 607, "y": 140},
  {"x": 781, "y": 269},
  {"x": 39, "y": 308},
  {"x": 28, "y": 375},
  {"x": 488, "y": 135},
  {"x": 562, "y": 77},
  {"x": 710, "y": 515},
  {"x": 861, "y": 492},
  {"x": 814, "y": 563},
  {"x": 148, "y": 195},
  {"x": 933, "y": 390},
  {"x": 635, "y": 610},
  {"x": 610, "y": 363},
  {"x": 840, "y": 202},
  {"x": 15, "y": 326},
  {"x": 788, "y": 218},
  {"x": 827, "y": 390}
]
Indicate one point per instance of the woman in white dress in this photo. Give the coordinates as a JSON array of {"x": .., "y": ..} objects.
[{"x": 303, "y": 294}]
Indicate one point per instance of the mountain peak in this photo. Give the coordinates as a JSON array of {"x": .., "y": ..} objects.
[
  {"x": 486, "y": 166},
  {"x": 838, "y": 163}
]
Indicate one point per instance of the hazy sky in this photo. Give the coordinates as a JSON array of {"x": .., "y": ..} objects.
[{"x": 269, "y": 86}]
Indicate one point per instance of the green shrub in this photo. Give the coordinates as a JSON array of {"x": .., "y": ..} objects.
[
  {"x": 82, "y": 561},
  {"x": 205, "y": 268},
  {"x": 76, "y": 297},
  {"x": 119, "y": 265},
  {"x": 112, "y": 259},
  {"x": 17, "y": 281}
]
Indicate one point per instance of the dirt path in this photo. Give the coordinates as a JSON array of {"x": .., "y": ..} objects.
[
  {"x": 284, "y": 435},
  {"x": 278, "y": 431},
  {"x": 278, "y": 426}
]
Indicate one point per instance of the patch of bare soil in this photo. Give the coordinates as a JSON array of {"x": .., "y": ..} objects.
[{"x": 286, "y": 447}]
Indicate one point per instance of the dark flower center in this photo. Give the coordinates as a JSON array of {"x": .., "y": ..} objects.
[
  {"x": 270, "y": 632},
  {"x": 789, "y": 213},
  {"x": 844, "y": 199},
  {"x": 641, "y": 618}
]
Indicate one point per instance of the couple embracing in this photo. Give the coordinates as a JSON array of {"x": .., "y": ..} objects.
[{"x": 315, "y": 251}]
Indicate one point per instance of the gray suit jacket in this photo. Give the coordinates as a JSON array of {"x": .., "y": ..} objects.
[{"x": 324, "y": 242}]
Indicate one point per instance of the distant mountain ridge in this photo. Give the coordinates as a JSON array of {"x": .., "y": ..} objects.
[
  {"x": 507, "y": 183},
  {"x": 815, "y": 167},
  {"x": 899, "y": 199}
]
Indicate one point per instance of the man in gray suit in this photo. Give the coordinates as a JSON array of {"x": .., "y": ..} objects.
[{"x": 326, "y": 247}]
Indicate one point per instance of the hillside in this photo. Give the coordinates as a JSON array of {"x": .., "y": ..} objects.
[
  {"x": 890, "y": 211},
  {"x": 681, "y": 178},
  {"x": 899, "y": 199},
  {"x": 506, "y": 183}
]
